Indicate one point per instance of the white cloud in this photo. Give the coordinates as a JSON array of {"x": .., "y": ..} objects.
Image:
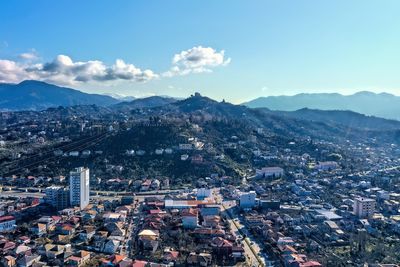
[
  {"x": 196, "y": 60},
  {"x": 12, "y": 72},
  {"x": 64, "y": 70},
  {"x": 29, "y": 56}
]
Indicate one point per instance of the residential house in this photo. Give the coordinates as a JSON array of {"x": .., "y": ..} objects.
[
  {"x": 201, "y": 259},
  {"x": 221, "y": 246},
  {"x": 8, "y": 261},
  {"x": 190, "y": 218},
  {"x": 111, "y": 246},
  {"x": 149, "y": 239},
  {"x": 28, "y": 260}
]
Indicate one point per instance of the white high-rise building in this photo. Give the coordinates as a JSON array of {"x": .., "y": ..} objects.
[
  {"x": 79, "y": 187},
  {"x": 364, "y": 207}
]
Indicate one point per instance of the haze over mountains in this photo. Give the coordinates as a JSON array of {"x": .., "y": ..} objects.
[
  {"x": 381, "y": 105},
  {"x": 36, "y": 95},
  {"x": 334, "y": 125}
]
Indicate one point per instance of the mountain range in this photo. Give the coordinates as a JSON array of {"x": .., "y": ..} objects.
[
  {"x": 380, "y": 105},
  {"x": 218, "y": 123},
  {"x": 36, "y": 95},
  {"x": 147, "y": 102}
]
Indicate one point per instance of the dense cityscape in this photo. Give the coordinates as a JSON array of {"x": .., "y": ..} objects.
[
  {"x": 185, "y": 184},
  {"x": 199, "y": 133}
]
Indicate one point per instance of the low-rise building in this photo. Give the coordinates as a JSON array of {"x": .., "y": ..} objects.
[
  {"x": 7, "y": 224},
  {"x": 247, "y": 200},
  {"x": 270, "y": 172}
]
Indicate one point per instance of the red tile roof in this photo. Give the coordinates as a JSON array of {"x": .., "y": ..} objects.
[
  {"x": 6, "y": 218},
  {"x": 190, "y": 212},
  {"x": 311, "y": 264},
  {"x": 138, "y": 263}
]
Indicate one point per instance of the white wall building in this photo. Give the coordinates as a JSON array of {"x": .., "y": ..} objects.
[
  {"x": 203, "y": 193},
  {"x": 247, "y": 200},
  {"x": 185, "y": 146},
  {"x": 327, "y": 165},
  {"x": 364, "y": 207},
  {"x": 79, "y": 187},
  {"x": 270, "y": 171},
  {"x": 7, "y": 223}
]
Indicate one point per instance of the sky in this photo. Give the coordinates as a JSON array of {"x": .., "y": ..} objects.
[{"x": 225, "y": 49}]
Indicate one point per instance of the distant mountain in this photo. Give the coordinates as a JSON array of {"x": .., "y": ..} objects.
[
  {"x": 346, "y": 118},
  {"x": 147, "y": 102},
  {"x": 381, "y": 105},
  {"x": 328, "y": 125},
  {"x": 234, "y": 131},
  {"x": 36, "y": 95},
  {"x": 121, "y": 97},
  {"x": 198, "y": 103}
]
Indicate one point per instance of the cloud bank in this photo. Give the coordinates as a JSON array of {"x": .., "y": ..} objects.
[
  {"x": 64, "y": 70},
  {"x": 196, "y": 60}
]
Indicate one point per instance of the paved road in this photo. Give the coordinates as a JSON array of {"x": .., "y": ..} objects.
[
  {"x": 92, "y": 192},
  {"x": 251, "y": 257},
  {"x": 126, "y": 249},
  {"x": 7, "y": 194}
]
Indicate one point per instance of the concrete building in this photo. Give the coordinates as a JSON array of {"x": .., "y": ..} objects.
[
  {"x": 190, "y": 218},
  {"x": 185, "y": 146},
  {"x": 270, "y": 172},
  {"x": 203, "y": 193},
  {"x": 364, "y": 207},
  {"x": 7, "y": 224},
  {"x": 185, "y": 204},
  {"x": 247, "y": 200},
  {"x": 327, "y": 166},
  {"x": 58, "y": 197},
  {"x": 210, "y": 210},
  {"x": 79, "y": 187}
]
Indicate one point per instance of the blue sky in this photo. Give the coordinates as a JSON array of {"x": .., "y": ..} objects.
[{"x": 237, "y": 50}]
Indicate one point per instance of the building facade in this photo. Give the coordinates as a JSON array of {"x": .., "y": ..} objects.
[
  {"x": 58, "y": 197},
  {"x": 248, "y": 200},
  {"x": 7, "y": 224},
  {"x": 327, "y": 166},
  {"x": 364, "y": 207},
  {"x": 270, "y": 172},
  {"x": 203, "y": 193},
  {"x": 79, "y": 187}
]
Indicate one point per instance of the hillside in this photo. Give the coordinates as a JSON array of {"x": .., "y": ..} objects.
[
  {"x": 346, "y": 118},
  {"x": 333, "y": 125},
  {"x": 35, "y": 95},
  {"x": 147, "y": 102},
  {"x": 230, "y": 135},
  {"x": 380, "y": 105}
]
